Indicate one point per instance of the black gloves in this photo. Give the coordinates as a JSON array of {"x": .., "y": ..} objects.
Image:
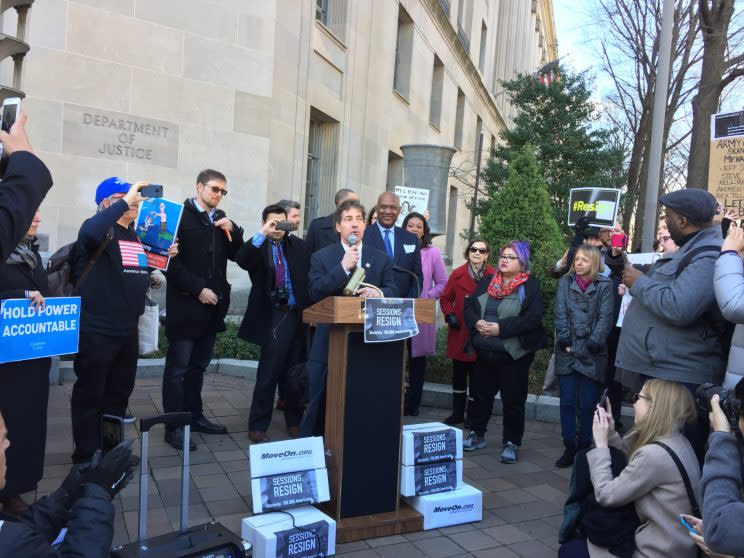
[
  {"x": 451, "y": 320},
  {"x": 593, "y": 347},
  {"x": 76, "y": 478},
  {"x": 113, "y": 471}
]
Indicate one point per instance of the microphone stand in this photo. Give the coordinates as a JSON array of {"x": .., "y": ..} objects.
[{"x": 412, "y": 274}]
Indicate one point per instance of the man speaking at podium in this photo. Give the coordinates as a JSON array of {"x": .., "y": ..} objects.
[{"x": 331, "y": 268}]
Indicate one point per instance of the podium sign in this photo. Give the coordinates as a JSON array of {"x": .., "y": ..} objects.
[{"x": 389, "y": 319}]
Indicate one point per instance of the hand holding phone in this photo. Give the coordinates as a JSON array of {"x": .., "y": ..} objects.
[
  {"x": 619, "y": 240},
  {"x": 688, "y": 521},
  {"x": 603, "y": 398},
  {"x": 286, "y": 226}
]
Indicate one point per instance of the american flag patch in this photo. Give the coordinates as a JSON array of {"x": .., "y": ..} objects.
[{"x": 132, "y": 254}]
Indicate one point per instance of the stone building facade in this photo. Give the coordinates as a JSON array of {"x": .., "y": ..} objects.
[{"x": 289, "y": 98}]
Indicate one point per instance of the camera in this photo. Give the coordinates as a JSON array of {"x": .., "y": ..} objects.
[
  {"x": 731, "y": 406},
  {"x": 280, "y": 297}
]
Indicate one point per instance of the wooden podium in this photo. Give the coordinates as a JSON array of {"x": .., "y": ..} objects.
[{"x": 363, "y": 422}]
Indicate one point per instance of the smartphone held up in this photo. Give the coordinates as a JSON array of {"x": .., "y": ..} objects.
[{"x": 11, "y": 111}]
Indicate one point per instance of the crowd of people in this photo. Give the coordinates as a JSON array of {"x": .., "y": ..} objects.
[{"x": 655, "y": 491}]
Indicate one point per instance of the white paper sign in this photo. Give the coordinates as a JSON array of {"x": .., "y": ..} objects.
[
  {"x": 411, "y": 199},
  {"x": 636, "y": 259}
]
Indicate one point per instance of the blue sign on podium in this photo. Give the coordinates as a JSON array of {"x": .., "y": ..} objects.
[{"x": 27, "y": 332}]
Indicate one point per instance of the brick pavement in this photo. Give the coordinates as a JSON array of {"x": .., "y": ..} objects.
[{"x": 522, "y": 503}]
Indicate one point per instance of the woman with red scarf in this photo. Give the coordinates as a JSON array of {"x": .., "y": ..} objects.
[
  {"x": 583, "y": 319},
  {"x": 504, "y": 318}
]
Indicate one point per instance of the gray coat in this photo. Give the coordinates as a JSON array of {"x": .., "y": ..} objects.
[
  {"x": 583, "y": 320},
  {"x": 728, "y": 284},
  {"x": 665, "y": 333}
]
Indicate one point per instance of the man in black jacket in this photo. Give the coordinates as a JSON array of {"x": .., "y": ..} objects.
[
  {"x": 82, "y": 504},
  {"x": 278, "y": 264},
  {"x": 197, "y": 300},
  {"x": 322, "y": 231},
  {"x": 25, "y": 182},
  {"x": 113, "y": 299}
]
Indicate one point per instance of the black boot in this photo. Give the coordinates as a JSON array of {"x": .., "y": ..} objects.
[
  {"x": 567, "y": 459},
  {"x": 458, "y": 410},
  {"x": 174, "y": 438}
]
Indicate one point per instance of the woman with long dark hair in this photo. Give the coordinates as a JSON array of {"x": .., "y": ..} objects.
[
  {"x": 435, "y": 278},
  {"x": 461, "y": 283}
]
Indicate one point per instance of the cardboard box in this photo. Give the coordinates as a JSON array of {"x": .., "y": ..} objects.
[
  {"x": 463, "y": 505},
  {"x": 272, "y": 534},
  {"x": 287, "y": 456},
  {"x": 430, "y": 478},
  {"x": 430, "y": 442},
  {"x": 287, "y": 490}
]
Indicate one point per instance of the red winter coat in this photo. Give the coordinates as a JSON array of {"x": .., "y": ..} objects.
[{"x": 459, "y": 285}]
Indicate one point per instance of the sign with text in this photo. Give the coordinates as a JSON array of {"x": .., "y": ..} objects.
[
  {"x": 435, "y": 477},
  {"x": 157, "y": 224},
  {"x": 288, "y": 489},
  {"x": 92, "y": 132},
  {"x": 308, "y": 541},
  {"x": 411, "y": 199},
  {"x": 434, "y": 445},
  {"x": 604, "y": 201},
  {"x": 726, "y": 166},
  {"x": 389, "y": 319},
  {"x": 27, "y": 332},
  {"x": 643, "y": 258}
]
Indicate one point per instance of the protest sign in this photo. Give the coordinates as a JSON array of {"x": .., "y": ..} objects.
[
  {"x": 726, "y": 166},
  {"x": 411, "y": 199},
  {"x": 27, "y": 332},
  {"x": 285, "y": 490},
  {"x": 157, "y": 224},
  {"x": 604, "y": 201},
  {"x": 643, "y": 258},
  {"x": 389, "y": 319}
]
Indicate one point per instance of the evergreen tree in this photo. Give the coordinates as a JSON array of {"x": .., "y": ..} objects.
[
  {"x": 559, "y": 119},
  {"x": 522, "y": 210}
]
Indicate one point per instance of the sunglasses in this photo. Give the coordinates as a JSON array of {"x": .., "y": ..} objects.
[
  {"x": 473, "y": 250},
  {"x": 638, "y": 396},
  {"x": 218, "y": 190}
]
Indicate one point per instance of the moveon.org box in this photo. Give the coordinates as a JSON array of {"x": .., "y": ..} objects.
[
  {"x": 463, "y": 505},
  {"x": 430, "y": 442},
  {"x": 287, "y": 456},
  {"x": 287, "y": 490},
  {"x": 272, "y": 535}
]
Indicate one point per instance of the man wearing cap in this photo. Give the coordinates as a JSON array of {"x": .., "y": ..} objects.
[
  {"x": 113, "y": 298},
  {"x": 669, "y": 330}
]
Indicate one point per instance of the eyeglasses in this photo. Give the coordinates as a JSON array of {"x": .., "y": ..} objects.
[
  {"x": 638, "y": 396},
  {"x": 473, "y": 250},
  {"x": 510, "y": 258},
  {"x": 218, "y": 190}
]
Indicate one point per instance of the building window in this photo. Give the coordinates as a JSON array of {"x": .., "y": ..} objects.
[
  {"x": 332, "y": 14},
  {"x": 437, "y": 86},
  {"x": 459, "y": 116},
  {"x": 395, "y": 171},
  {"x": 483, "y": 47},
  {"x": 322, "y": 162},
  {"x": 464, "y": 11},
  {"x": 403, "y": 53}
]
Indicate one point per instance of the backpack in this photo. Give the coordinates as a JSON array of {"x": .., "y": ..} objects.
[{"x": 61, "y": 267}]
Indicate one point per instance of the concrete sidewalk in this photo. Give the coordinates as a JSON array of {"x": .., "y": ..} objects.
[{"x": 523, "y": 503}]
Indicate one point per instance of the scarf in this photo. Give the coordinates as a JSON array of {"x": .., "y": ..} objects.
[
  {"x": 497, "y": 288},
  {"x": 477, "y": 275},
  {"x": 583, "y": 283},
  {"x": 24, "y": 253}
]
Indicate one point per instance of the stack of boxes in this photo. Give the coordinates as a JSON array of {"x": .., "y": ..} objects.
[
  {"x": 289, "y": 476},
  {"x": 431, "y": 476}
]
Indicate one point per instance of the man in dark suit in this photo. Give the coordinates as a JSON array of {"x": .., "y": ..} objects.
[
  {"x": 401, "y": 246},
  {"x": 278, "y": 264},
  {"x": 330, "y": 270},
  {"x": 197, "y": 299},
  {"x": 322, "y": 231}
]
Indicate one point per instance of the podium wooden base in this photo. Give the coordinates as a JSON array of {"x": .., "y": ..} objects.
[{"x": 404, "y": 520}]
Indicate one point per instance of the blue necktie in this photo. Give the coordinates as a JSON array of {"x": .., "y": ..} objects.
[{"x": 388, "y": 245}]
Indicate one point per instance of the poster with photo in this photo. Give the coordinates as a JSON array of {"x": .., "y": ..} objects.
[
  {"x": 411, "y": 199},
  {"x": 157, "y": 224}
]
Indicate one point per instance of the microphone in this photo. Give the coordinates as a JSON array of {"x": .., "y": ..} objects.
[
  {"x": 219, "y": 214},
  {"x": 412, "y": 274},
  {"x": 358, "y": 276}
]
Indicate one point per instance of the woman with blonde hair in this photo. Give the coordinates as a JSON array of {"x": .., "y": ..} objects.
[
  {"x": 583, "y": 320},
  {"x": 659, "y": 456}
]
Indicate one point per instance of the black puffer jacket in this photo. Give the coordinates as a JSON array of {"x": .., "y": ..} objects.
[{"x": 90, "y": 527}]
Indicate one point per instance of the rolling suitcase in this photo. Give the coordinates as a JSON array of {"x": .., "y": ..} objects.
[{"x": 209, "y": 540}]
